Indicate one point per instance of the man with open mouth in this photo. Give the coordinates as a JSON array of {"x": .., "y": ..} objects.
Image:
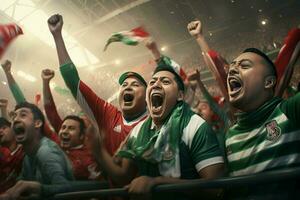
[
  {"x": 173, "y": 144},
  {"x": 44, "y": 161},
  {"x": 115, "y": 123},
  {"x": 11, "y": 156},
  {"x": 71, "y": 133},
  {"x": 266, "y": 136}
]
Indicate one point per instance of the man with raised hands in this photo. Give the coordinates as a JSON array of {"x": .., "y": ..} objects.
[
  {"x": 71, "y": 134},
  {"x": 171, "y": 146},
  {"x": 115, "y": 123}
]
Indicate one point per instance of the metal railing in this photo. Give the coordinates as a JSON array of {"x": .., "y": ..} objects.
[{"x": 227, "y": 182}]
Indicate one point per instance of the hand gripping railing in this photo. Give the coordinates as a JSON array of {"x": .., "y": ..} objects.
[{"x": 228, "y": 182}]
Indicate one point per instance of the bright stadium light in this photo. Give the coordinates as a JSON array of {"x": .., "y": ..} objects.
[
  {"x": 117, "y": 62},
  {"x": 263, "y": 22},
  {"x": 163, "y": 48},
  {"x": 32, "y": 19}
]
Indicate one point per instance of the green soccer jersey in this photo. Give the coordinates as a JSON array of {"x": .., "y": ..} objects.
[
  {"x": 265, "y": 139},
  {"x": 197, "y": 146}
]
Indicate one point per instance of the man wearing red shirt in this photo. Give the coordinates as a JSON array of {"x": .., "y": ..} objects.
[
  {"x": 11, "y": 156},
  {"x": 115, "y": 123}
]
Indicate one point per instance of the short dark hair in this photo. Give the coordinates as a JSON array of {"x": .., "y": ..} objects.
[
  {"x": 265, "y": 57},
  {"x": 169, "y": 68},
  {"x": 79, "y": 120},
  {"x": 37, "y": 113},
  {"x": 4, "y": 122}
]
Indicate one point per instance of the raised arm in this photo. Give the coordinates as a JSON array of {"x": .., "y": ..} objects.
[
  {"x": 152, "y": 46},
  {"x": 49, "y": 105},
  {"x": 194, "y": 78},
  {"x": 55, "y": 24},
  {"x": 195, "y": 29},
  {"x": 212, "y": 59},
  {"x": 97, "y": 109},
  {"x": 13, "y": 86}
]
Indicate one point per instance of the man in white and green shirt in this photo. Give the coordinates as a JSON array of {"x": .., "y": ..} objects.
[
  {"x": 172, "y": 145},
  {"x": 266, "y": 136}
]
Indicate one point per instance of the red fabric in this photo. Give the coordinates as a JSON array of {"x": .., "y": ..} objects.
[
  {"x": 8, "y": 32},
  {"x": 220, "y": 64},
  {"x": 10, "y": 167},
  {"x": 53, "y": 116},
  {"x": 37, "y": 99},
  {"x": 84, "y": 165},
  {"x": 140, "y": 32},
  {"x": 182, "y": 74},
  {"x": 107, "y": 116},
  {"x": 286, "y": 51},
  {"x": 51, "y": 134}
]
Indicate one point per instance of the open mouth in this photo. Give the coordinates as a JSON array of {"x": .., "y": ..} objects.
[
  {"x": 235, "y": 85},
  {"x": 19, "y": 131},
  {"x": 156, "y": 102},
  {"x": 128, "y": 98},
  {"x": 65, "y": 141}
]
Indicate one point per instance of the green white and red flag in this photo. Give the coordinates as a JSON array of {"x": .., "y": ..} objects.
[
  {"x": 8, "y": 32},
  {"x": 132, "y": 37}
]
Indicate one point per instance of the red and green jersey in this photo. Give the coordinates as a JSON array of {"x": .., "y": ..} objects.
[
  {"x": 107, "y": 116},
  {"x": 83, "y": 163},
  {"x": 10, "y": 167}
]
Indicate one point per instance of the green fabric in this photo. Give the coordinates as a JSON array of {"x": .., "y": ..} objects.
[
  {"x": 17, "y": 93},
  {"x": 62, "y": 91},
  {"x": 223, "y": 119},
  {"x": 291, "y": 107},
  {"x": 125, "y": 75},
  {"x": 163, "y": 63},
  {"x": 257, "y": 117},
  {"x": 71, "y": 77},
  {"x": 160, "y": 147},
  {"x": 184, "y": 133},
  {"x": 265, "y": 139}
]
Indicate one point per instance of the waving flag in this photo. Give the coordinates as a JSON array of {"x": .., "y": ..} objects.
[
  {"x": 8, "y": 32},
  {"x": 132, "y": 37},
  {"x": 285, "y": 54},
  {"x": 177, "y": 68}
]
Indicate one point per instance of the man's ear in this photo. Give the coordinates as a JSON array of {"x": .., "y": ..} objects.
[
  {"x": 38, "y": 123},
  {"x": 180, "y": 96},
  {"x": 270, "y": 82}
]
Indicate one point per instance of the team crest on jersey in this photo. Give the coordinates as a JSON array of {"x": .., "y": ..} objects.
[
  {"x": 117, "y": 129},
  {"x": 273, "y": 131}
]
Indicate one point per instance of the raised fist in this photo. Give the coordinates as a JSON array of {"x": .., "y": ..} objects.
[
  {"x": 47, "y": 74},
  {"x": 193, "y": 78},
  {"x": 195, "y": 28},
  {"x": 194, "y": 75},
  {"x": 6, "y": 66},
  {"x": 3, "y": 103},
  {"x": 55, "y": 24},
  {"x": 150, "y": 44}
]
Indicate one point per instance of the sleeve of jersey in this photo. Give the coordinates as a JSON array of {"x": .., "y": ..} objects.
[
  {"x": 219, "y": 63},
  {"x": 214, "y": 106},
  {"x": 17, "y": 93},
  {"x": 51, "y": 134},
  {"x": 287, "y": 50},
  {"x": 204, "y": 148},
  {"x": 291, "y": 107},
  {"x": 53, "y": 116},
  {"x": 96, "y": 108}
]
